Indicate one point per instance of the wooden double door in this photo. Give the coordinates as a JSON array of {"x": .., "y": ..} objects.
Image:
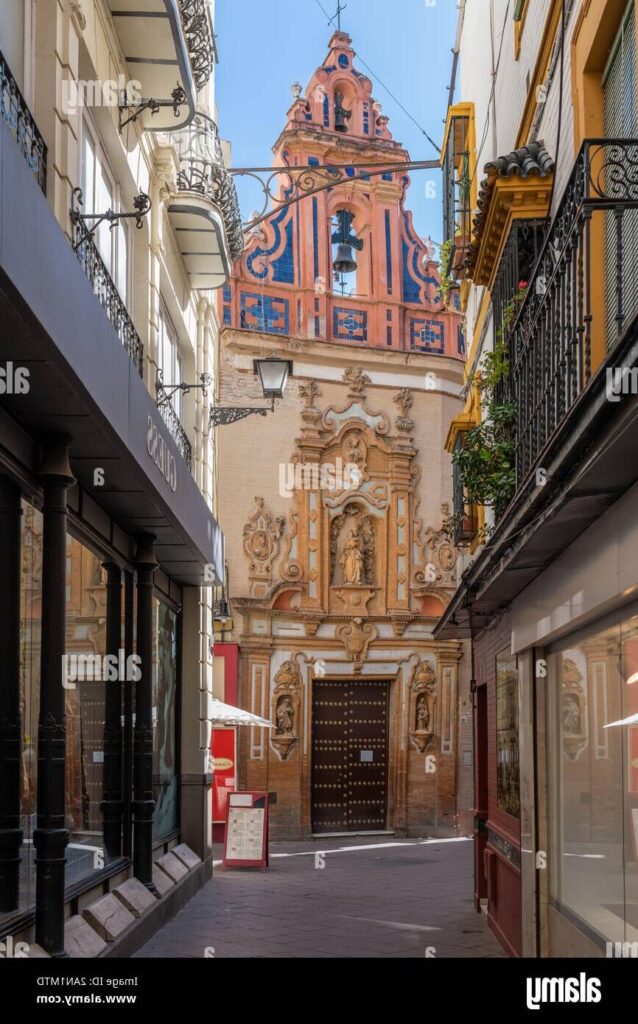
[{"x": 350, "y": 725}]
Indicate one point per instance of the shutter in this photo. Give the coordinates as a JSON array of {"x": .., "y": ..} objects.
[{"x": 621, "y": 121}]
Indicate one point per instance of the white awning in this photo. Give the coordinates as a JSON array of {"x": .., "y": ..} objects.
[
  {"x": 201, "y": 239},
  {"x": 157, "y": 55},
  {"x": 226, "y": 714}
]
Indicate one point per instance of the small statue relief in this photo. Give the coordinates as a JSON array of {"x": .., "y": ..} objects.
[
  {"x": 422, "y": 703},
  {"x": 286, "y": 702},
  {"x": 355, "y": 450},
  {"x": 357, "y": 381}
]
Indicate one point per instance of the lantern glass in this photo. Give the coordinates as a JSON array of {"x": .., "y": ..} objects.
[{"x": 273, "y": 374}]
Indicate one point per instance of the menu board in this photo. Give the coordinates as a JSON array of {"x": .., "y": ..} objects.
[{"x": 246, "y": 844}]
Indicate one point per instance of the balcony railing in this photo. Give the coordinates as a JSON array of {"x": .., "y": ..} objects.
[
  {"x": 202, "y": 170},
  {"x": 18, "y": 117},
  {"x": 175, "y": 429},
  {"x": 109, "y": 297},
  {"x": 198, "y": 30},
  {"x": 583, "y": 293}
]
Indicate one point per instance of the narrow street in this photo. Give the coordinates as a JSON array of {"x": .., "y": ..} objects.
[{"x": 375, "y": 898}]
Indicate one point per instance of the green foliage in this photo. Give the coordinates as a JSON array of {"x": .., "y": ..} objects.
[
  {"x": 486, "y": 461},
  {"x": 446, "y": 277}
]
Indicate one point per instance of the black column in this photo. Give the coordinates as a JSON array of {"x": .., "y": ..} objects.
[
  {"x": 127, "y": 773},
  {"x": 111, "y": 805},
  {"x": 10, "y": 721},
  {"x": 143, "y": 803},
  {"x": 51, "y": 836}
]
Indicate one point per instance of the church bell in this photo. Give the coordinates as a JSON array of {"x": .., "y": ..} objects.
[
  {"x": 342, "y": 115},
  {"x": 345, "y": 262}
]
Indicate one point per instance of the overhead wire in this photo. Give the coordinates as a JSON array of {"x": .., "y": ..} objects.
[{"x": 385, "y": 87}]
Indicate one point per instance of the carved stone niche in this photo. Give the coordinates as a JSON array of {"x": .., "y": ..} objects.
[
  {"x": 442, "y": 556},
  {"x": 422, "y": 706},
  {"x": 353, "y": 553},
  {"x": 262, "y": 534},
  {"x": 285, "y": 704}
]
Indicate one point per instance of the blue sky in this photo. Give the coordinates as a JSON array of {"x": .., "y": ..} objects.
[{"x": 266, "y": 45}]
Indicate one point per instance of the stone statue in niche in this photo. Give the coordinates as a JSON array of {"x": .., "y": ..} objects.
[
  {"x": 423, "y": 700},
  {"x": 422, "y": 714},
  {"x": 571, "y": 715},
  {"x": 286, "y": 702},
  {"x": 351, "y": 560},
  {"x": 573, "y": 710},
  {"x": 361, "y": 527},
  {"x": 285, "y": 716}
]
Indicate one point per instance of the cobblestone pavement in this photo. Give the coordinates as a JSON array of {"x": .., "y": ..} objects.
[{"x": 374, "y": 897}]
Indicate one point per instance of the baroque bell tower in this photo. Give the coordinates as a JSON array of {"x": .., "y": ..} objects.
[
  {"x": 334, "y": 508},
  {"x": 288, "y": 281}
]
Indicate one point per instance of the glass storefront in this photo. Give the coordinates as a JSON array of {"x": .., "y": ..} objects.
[
  {"x": 593, "y": 781},
  {"x": 508, "y": 787},
  {"x": 85, "y": 686}
]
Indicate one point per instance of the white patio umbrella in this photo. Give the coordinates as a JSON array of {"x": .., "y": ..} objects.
[{"x": 226, "y": 714}]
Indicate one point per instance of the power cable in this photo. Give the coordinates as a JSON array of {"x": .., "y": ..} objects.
[{"x": 493, "y": 90}]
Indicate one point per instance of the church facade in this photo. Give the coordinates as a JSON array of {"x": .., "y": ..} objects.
[{"x": 335, "y": 508}]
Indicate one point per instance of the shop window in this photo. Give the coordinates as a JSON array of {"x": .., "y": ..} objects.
[
  {"x": 85, "y": 707},
  {"x": 169, "y": 359},
  {"x": 507, "y": 742},
  {"x": 165, "y": 668},
  {"x": 593, "y": 781},
  {"x": 84, "y": 703},
  {"x": 100, "y": 193}
]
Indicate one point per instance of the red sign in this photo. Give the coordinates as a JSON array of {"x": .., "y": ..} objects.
[
  {"x": 224, "y": 745},
  {"x": 246, "y": 843}
]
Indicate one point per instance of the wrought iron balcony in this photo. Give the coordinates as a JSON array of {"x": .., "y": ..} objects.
[
  {"x": 176, "y": 430},
  {"x": 582, "y": 296},
  {"x": 18, "y": 117},
  {"x": 109, "y": 297},
  {"x": 205, "y": 211},
  {"x": 196, "y": 21}
]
